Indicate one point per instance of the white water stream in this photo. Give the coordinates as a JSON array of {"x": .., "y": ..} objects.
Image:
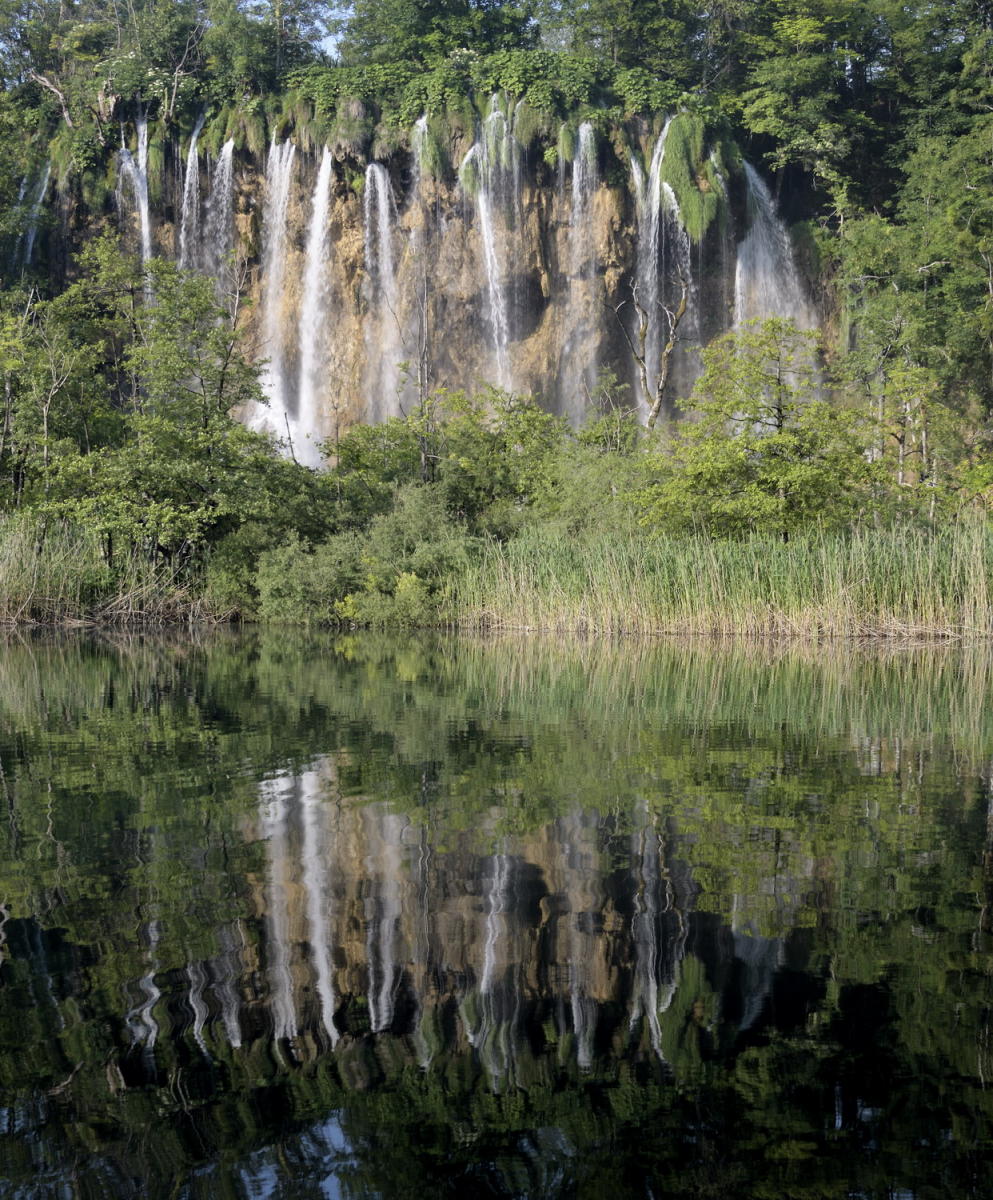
[
  {"x": 279, "y": 179},
  {"x": 314, "y": 321},
  {"x": 189, "y": 220}
]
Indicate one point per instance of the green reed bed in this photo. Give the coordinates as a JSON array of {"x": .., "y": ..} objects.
[
  {"x": 53, "y": 573},
  {"x": 897, "y": 583}
]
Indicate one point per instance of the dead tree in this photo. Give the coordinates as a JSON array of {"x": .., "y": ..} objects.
[{"x": 638, "y": 344}]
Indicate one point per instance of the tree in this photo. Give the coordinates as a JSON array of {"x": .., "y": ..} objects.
[
  {"x": 388, "y": 30},
  {"x": 763, "y": 453}
]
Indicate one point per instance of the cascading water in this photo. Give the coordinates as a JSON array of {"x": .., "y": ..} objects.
[
  {"x": 650, "y": 252},
  {"x": 314, "y": 319},
  {"x": 677, "y": 243},
  {"x": 218, "y": 239},
  {"x": 383, "y": 331},
  {"x": 466, "y": 292},
  {"x": 578, "y": 373},
  {"x": 579, "y": 949},
  {"x": 657, "y": 957},
  {"x": 645, "y": 936},
  {"x": 135, "y": 174},
  {"x": 492, "y": 1033},
  {"x": 35, "y": 214},
  {"x": 279, "y": 177},
  {"x": 491, "y": 172},
  {"x": 418, "y": 142},
  {"x": 422, "y": 227},
  {"x": 189, "y": 221},
  {"x": 766, "y": 282}
]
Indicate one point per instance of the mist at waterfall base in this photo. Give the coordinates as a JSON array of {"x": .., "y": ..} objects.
[
  {"x": 367, "y": 295},
  {"x": 301, "y": 916}
]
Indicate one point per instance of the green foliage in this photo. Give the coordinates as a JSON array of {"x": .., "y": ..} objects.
[
  {"x": 901, "y": 582},
  {"x": 554, "y": 85},
  {"x": 762, "y": 454},
  {"x": 686, "y": 169},
  {"x": 296, "y": 585},
  {"x": 640, "y": 92},
  {"x": 396, "y": 573}
]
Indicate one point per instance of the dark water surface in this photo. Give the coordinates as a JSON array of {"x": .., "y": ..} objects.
[{"x": 297, "y": 916}]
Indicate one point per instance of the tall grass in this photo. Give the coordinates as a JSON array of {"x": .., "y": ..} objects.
[
  {"x": 52, "y": 574},
  {"x": 903, "y": 582}
]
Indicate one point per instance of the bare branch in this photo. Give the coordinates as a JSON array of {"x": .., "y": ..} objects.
[
  {"x": 56, "y": 91},
  {"x": 665, "y": 358}
]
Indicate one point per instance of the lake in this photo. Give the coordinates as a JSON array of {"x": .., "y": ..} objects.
[{"x": 316, "y": 915}]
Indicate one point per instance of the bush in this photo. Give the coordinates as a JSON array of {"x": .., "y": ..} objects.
[{"x": 298, "y": 585}]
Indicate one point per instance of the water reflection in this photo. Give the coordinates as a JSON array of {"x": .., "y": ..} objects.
[
  {"x": 368, "y": 929},
  {"x": 351, "y": 917}
]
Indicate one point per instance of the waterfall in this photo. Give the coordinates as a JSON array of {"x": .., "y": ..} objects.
[
  {"x": 313, "y": 319},
  {"x": 650, "y": 254},
  {"x": 580, "y": 944},
  {"x": 279, "y": 177},
  {"x": 492, "y": 171},
  {"x": 494, "y": 1036},
  {"x": 418, "y": 141},
  {"x": 657, "y": 957},
  {"x": 35, "y": 214},
  {"x": 685, "y": 367},
  {"x": 136, "y": 176},
  {"x": 766, "y": 282},
  {"x": 219, "y": 226},
  {"x": 579, "y": 356},
  {"x": 383, "y": 340},
  {"x": 189, "y": 222},
  {"x": 417, "y": 337}
]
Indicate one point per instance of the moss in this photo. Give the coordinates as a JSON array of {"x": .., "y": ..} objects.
[
  {"x": 530, "y": 123},
  {"x": 353, "y": 127},
  {"x": 60, "y": 153},
  {"x": 567, "y": 143},
  {"x": 156, "y": 163},
  {"x": 212, "y": 136},
  {"x": 97, "y": 190},
  {"x": 434, "y": 160},
  {"x": 684, "y": 168},
  {"x": 251, "y": 132},
  {"x": 469, "y": 175},
  {"x": 387, "y": 140}
]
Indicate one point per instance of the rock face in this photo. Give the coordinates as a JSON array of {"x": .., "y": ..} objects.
[{"x": 371, "y": 287}]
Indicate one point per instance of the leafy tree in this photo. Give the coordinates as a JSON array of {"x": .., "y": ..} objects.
[
  {"x": 763, "y": 454},
  {"x": 386, "y": 30}
]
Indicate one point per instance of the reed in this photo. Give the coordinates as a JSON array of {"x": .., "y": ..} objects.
[
  {"x": 899, "y": 583},
  {"x": 56, "y": 574}
]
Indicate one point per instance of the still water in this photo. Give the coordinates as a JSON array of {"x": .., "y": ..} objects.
[{"x": 313, "y": 916}]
